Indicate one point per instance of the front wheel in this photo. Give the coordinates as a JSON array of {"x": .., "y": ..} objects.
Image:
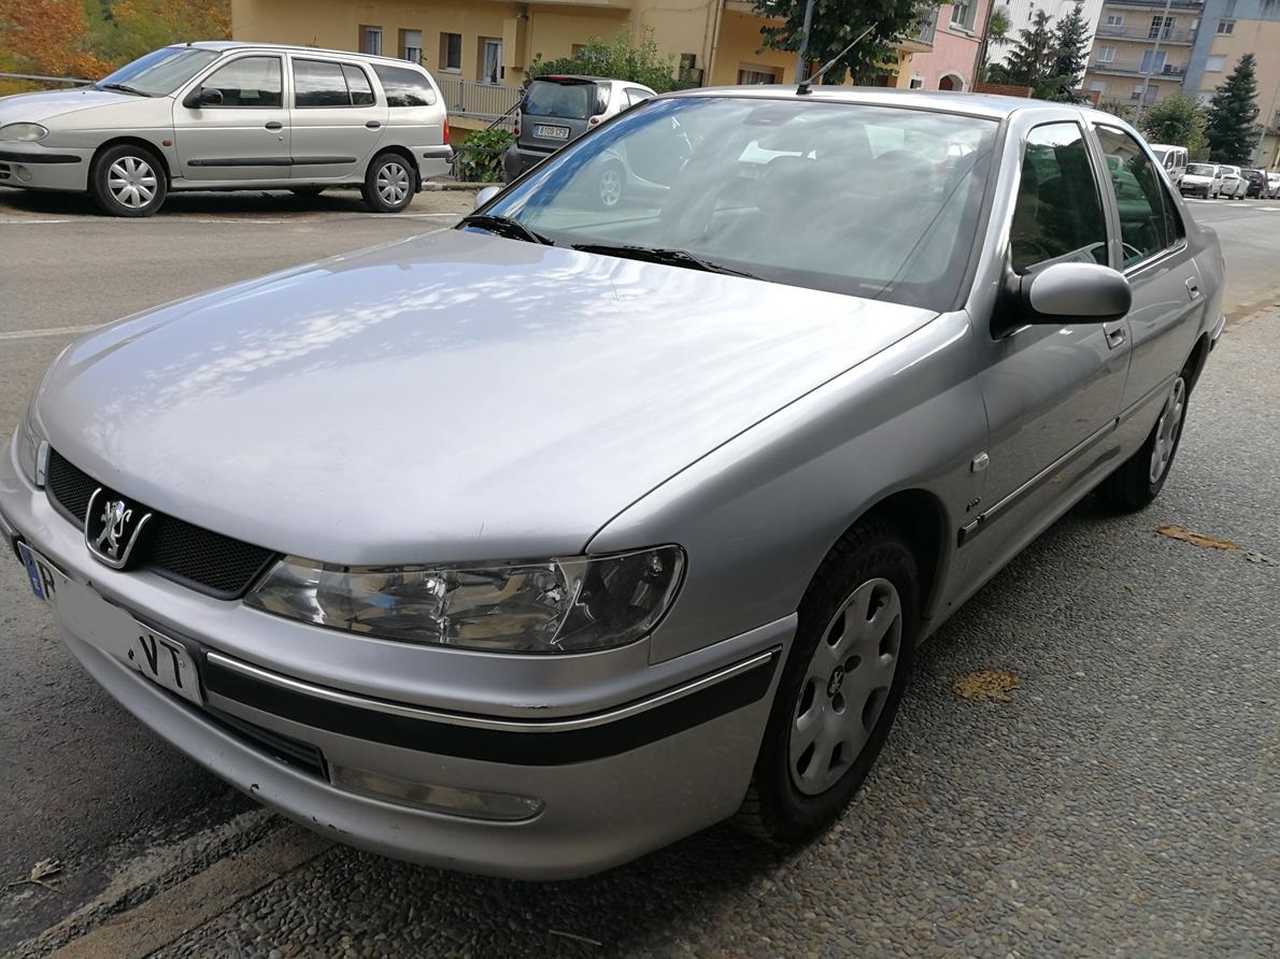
[
  {"x": 389, "y": 184},
  {"x": 128, "y": 180},
  {"x": 1140, "y": 478},
  {"x": 841, "y": 686}
]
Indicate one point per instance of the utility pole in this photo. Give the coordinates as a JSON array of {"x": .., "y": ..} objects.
[
  {"x": 1155, "y": 51},
  {"x": 802, "y": 73}
]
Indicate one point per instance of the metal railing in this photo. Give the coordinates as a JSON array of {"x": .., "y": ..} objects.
[
  {"x": 1136, "y": 68},
  {"x": 1143, "y": 34},
  {"x": 484, "y": 101},
  {"x": 38, "y": 78},
  {"x": 928, "y": 26}
]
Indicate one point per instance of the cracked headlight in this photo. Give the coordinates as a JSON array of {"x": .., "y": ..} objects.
[
  {"x": 33, "y": 447},
  {"x": 28, "y": 132},
  {"x": 558, "y": 606}
]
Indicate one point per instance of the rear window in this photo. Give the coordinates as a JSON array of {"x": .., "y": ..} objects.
[
  {"x": 570, "y": 101},
  {"x": 405, "y": 88},
  {"x": 1200, "y": 169}
]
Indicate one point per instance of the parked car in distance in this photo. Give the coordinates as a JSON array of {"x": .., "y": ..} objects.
[
  {"x": 1201, "y": 179},
  {"x": 556, "y": 110},
  {"x": 1255, "y": 182},
  {"x": 1273, "y": 186},
  {"x": 1174, "y": 159},
  {"x": 1232, "y": 184},
  {"x": 225, "y": 115},
  {"x": 704, "y": 466}
]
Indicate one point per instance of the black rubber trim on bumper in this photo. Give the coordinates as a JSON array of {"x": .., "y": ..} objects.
[
  {"x": 491, "y": 745},
  {"x": 38, "y": 157}
]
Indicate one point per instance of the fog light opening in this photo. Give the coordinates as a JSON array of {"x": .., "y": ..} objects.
[
  {"x": 468, "y": 803},
  {"x": 22, "y": 172}
]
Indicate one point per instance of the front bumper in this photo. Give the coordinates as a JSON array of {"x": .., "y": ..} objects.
[
  {"x": 661, "y": 751},
  {"x": 38, "y": 167}
]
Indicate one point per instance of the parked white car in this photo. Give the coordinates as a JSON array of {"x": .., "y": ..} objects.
[
  {"x": 1273, "y": 186},
  {"x": 231, "y": 116},
  {"x": 1174, "y": 159},
  {"x": 1201, "y": 179},
  {"x": 1232, "y": 185}
]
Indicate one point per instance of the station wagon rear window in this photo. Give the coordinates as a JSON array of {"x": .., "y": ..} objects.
[{"x": 405, "y": 88}]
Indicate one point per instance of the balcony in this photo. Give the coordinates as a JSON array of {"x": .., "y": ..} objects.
[
  {"x": 1142, "y": 34},
  {"x": 1133, "y": 68},
  {"x": 485, "y": 102},
  {"x": 1195, "y": 5},
  {"x": 921, "y": 41}
]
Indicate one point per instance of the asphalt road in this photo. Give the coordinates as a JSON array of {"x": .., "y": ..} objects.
[{"x": 1126, "y": 800}]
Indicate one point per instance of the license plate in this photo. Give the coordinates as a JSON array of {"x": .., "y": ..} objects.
[
  {"x": 164, "y": 661},
  {"x": 551, "y": 133}
]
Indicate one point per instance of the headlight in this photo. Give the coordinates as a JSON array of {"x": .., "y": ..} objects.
[
  {"x": 33, "y": 448},
  {"x": 29, "y": 132},
  {"x": 557, "y": 606}
]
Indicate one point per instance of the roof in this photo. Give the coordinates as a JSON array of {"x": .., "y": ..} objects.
[{"x": 292, "y": 47}]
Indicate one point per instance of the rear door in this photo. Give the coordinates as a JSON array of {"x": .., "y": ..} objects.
[
  {"x": 246, "y": 136},
  {"x": 336, "y": 118}
]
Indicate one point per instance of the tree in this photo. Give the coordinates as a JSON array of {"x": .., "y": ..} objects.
[
  {"x": 617, "y": 58},
  {"x": 126, "y": 29},
  {"x": 48, "y": 37},
  {"x": 836, "y": 23},
  {"x": 998, "y": 26},
  {"x": 1178, "y": 120},
  {"x": 1071, "y": 47},
  {"x": 1232, "y": 131},
  {"x": 1031, "y": 61}
]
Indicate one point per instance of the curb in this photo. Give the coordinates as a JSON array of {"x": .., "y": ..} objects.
[{"x": 438, "y": 185}]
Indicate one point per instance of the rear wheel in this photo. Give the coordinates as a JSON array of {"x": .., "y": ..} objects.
[
  {"x": 389, "y": 184},
  {"x": 840, "y": 689},
  {"x": 1140, "y": 478},
  {"x": 128, "y": 180}
]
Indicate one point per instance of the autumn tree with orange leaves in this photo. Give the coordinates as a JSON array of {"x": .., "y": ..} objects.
[{"x": 48, "y": 37}]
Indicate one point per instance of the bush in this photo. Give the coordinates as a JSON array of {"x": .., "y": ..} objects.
[
  {"x": 616, "y": 59},
  {"x": 480, "y": 157}
]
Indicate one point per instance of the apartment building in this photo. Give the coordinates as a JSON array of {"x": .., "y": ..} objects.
[
  {"x": 480, "y": 51},
  {"x": 1232, "y": 28},
  {"x": 1142, "y": 49},
  {"x": 1021, "y": 12}
]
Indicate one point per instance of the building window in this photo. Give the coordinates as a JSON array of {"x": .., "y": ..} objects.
[
  {"x": 371, "y": 40},
  {"x": 1226, "y": 26},
  {"x": 491, "y": 66},
  {"x": 1215, "y": 64},
  {"x": 917, "y": 82},
  {"x": 1115, "y": 19},
  {"x": 577, "y": 49},
  {"x": 451, "y": 51},
  {"x": 411, "y": 45},
  {"x": 1161, "y": 27},
  {"x": 1106, "y": 54},
  {"x": 755, "y": 75},
  {"x": 962, "y": 14},
  {"x": 1152, "y": 62}
]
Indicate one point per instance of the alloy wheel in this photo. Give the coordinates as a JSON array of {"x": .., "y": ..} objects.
[
  {"x": 1167, "y": 429},
  {"x": 610, "y": 186},
  {"x": 393, "y": 183},
  {"x": 132, "y": 182},
  {"x": 846, "y": 686}
]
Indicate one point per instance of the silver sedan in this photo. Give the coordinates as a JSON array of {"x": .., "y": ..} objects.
[{"x": 534, "y": 545}]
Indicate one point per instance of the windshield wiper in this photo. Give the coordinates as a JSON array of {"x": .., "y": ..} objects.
[
  {"x": 123, "y": 87},
  {"x": 663, "y": 255},
  {"x": 505, "y": 226}
]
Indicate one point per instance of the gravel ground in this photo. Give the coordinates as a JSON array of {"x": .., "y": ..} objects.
[{"x": 1124, "y": 801}]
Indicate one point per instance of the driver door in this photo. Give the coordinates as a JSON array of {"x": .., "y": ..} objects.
[{"x": 246, "y": 136}]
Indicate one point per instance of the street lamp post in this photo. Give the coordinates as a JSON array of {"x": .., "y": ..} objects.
[
  {"x": 801, "y": 73},
  {"x": 1155, "y": 51}
]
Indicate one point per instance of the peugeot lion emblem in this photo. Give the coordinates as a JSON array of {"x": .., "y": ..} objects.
[{"x": 111, "y": 528}]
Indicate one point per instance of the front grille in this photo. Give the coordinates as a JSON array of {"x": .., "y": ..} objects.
[{"x": 195, "y": 557}]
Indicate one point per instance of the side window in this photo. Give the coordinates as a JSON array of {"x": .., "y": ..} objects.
[
  {"x": 248, "y": 82},
  {"x": 1148, "y": 220},
  {"x": 358, "y": 84},
  {"x": 1058, "y": 213},
  {"x": 319, "y": 83},
  {"x": 405, "y": 88},
  {"x": 636, "y": 95}
]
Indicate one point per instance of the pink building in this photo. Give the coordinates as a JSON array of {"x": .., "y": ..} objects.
[{"x": 955, "y": 37}]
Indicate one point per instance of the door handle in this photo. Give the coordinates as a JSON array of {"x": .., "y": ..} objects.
[
  {"x": 373, "y": 124},
  {"x": 1115, "y": 337},
  {"x": 275, "y": 125},
  {"x": 1193, "y": 287}
]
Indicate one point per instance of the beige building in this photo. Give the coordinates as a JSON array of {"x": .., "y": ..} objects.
[
  {"x": 1141, "y": 50},
  {"x": 481, "y": 50}
]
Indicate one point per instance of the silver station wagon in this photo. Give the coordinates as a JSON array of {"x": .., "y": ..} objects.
[
  {"x": 231, "y": 116},
  {"x": 530, "y": 546}
]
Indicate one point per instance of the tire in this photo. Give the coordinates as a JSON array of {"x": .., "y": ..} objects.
[
  {"x": 1140, "y": 478},
  {"x": 128, "y": 180},
  {"x": 866, "y": 665},
  {"x": 610, "y": 184},
  {"x": 389, "y": 183},
  {"x": 306, "y": 190}
]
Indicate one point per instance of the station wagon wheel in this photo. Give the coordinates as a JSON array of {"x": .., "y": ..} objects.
[
  {"x": 840, "y": 689},
  {"x": 389, "y": 184},
  {"x": 128, "y": 180}
]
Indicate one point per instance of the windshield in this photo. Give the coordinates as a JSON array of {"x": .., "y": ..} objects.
[
  {"x": 161, "y": 71},
  {"x": 571, "y": 101},
  {"x": 1200, "y": 169},
  {"x": 1160, "y": 152},
  {"x": 872, "y": 201}
]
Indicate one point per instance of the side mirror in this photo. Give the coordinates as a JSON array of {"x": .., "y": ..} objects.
[
  {"x": 1074, "y": 293},
  {"x": 203, "y": 97},
  {"x": 483, "y": 196}
]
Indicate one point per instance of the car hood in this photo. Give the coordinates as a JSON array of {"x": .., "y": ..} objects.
[
  {"x": 38, "y": 107},
  {"x": 1197, "y": 177},
  {"x": 457, "y": 396}
]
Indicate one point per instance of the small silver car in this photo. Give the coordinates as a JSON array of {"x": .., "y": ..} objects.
[
  {"x": 528, "y": 547},
  {"x": 231, "y": 116}
]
